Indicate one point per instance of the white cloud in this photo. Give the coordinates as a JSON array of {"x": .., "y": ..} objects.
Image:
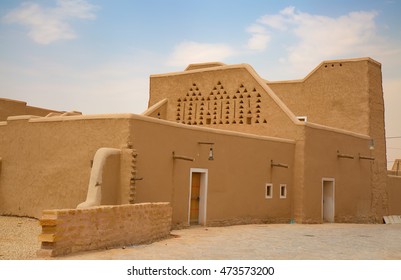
[
  {"x": 194, "y": 52},
  {"x": 306, "y": 39},
  {"x": 256, "y": 28},
  {"x": 279, "y": 21},
  {"x": 47, "y": 25},
  {"x": 322, "y": 37},
  {"x": 259, "y": 39},
  {"x": 76, "y": 8}
]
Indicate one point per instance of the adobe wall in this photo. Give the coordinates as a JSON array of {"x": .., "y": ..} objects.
[
  {"x": 231, "y": 98},
  {"x": 345, "y": 94},
  {"x": 380, "y": 203},
  {"x": 66, "y": 231},
  {"x": 342, "y": 94},
  {"x": 10, "y": 107},
  {"x": 394, "y": 194},
  {"x": 224, "y": 97},
  {"x": 352, "y": 177},
  {"x": 335, "y": 94},
  {"x": 46, "y": 162},
  {"x": 236, "y": 177}
]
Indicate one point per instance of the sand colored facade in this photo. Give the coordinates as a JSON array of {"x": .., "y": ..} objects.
[
  {"x": 221, "y": 145},
  {"x": 18, "y": 108}
]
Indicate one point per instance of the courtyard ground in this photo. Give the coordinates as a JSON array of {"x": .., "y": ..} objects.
[{"x": 19, "y": 240}]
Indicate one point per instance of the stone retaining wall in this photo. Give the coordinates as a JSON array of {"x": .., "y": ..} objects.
[{"x": 66, "y": 231}]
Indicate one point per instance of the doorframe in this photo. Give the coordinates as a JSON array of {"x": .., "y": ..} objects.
[
  {"x": 202, "y": 194},
  {"x": 333, "y": 181}
]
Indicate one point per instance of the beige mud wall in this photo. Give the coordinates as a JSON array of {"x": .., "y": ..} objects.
[
  {"x": 10, "y": 107},
  {"x": 341, "y": 94},
  {"x": 236, "y": 177},
  {"x": 46, "y": 162},
  {"x": 345, "y": 94},
  {"x": 353, "y": 190},
  {"x": 335, "y": 94},
  {"x": 231, "y": 94},
  {"x": 227, "y": 96},
  {"x": 394, "y": 194}
]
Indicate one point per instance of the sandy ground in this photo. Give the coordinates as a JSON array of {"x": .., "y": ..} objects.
[{"x": 18, "y": 240}]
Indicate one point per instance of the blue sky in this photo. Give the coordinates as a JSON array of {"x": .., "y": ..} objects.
[{"x": 96, "y": 56}]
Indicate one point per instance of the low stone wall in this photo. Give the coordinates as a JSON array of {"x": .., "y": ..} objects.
[{"x": 66, "y": 231}]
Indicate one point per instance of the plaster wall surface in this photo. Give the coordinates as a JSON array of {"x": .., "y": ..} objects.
[
  {"x": 10, "y": 107},
  {"x": 394, "y": 194},
  {"x": 345, "y": 94},
  {"x": 46, "y": 162},
  {"x": 224, "y": 97},
  {"x": 344, "y": 97},
  {"x": 237, "y": 176},
  {"x": 380, "y": 201},
  {"x": 352, "y": 176},
  {"x": 335, "y": 94}
]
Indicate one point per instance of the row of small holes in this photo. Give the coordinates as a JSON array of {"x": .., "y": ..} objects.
[{"x": 333, "y": 65}]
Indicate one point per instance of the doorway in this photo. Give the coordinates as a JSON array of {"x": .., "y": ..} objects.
[
  {"x": 328, "y": 200},
  {"x": 197, "y": 196}
]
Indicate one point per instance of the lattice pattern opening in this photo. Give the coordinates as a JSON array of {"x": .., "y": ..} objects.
[{"x": 241, "y": 106}]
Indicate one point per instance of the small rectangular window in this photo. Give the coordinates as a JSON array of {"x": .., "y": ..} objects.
[
  {"x": 302, "y": 118},
  {"x": 249, "y": 120},
  {"x": 269, "y": 191},
  {"x": 283, "y": 191}
]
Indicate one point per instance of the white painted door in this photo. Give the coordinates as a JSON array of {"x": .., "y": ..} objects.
[{"x": 328, "y": 200}]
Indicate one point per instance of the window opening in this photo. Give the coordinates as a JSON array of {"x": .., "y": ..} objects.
[
  {"x": 302, "y": 118},
  {"x": 269, "y": 191},
  {"x": 283, "y": 191}
]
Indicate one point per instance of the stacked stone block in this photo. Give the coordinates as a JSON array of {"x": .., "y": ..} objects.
[{"x": 66, "y": 231}]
